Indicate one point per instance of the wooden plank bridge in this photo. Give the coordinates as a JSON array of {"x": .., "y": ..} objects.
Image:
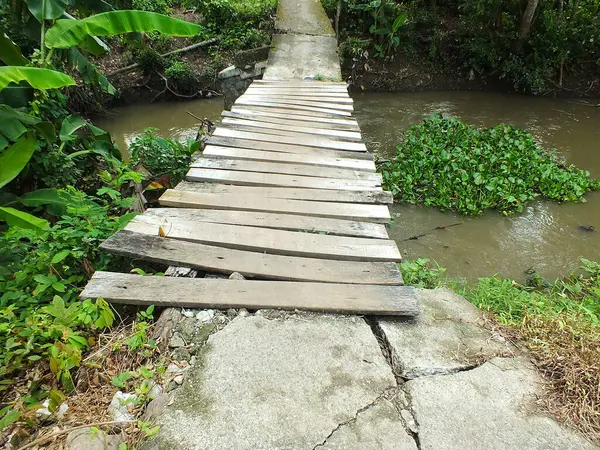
[{"x": 284, "y": 193}]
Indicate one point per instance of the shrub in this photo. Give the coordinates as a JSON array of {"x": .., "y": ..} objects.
[
  {"x": 149, "y": 60},
  {"x": 182, "y": 76},
  {"x": 447, "y": 163},
  {"x": 157, "y": 6},
  {"x": 160, "y": 155}
]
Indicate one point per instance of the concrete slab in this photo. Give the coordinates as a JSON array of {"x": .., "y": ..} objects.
[
  {"x": 375, "y": 428},
  {"x": 296, "y": 57},
  {"x": 283, "y": 383},
  {"x": 446, "y": 337},
  {"x": 491, "y": 407},
  {"x": 303, "y": 17}
]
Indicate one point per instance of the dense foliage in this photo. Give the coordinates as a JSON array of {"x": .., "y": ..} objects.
[
  {"x": 533, "y": 45},
  {"x": 447, "y": 163}
]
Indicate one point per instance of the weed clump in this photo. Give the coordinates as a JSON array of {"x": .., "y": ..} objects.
[
  {"x": 560, "y": 324},
  {"x": 447, "y": 163}
]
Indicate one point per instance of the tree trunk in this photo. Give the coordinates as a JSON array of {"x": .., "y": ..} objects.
[{"x": 526, "y": 22}]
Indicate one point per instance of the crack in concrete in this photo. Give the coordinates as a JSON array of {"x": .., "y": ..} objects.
[
  {"x": 299, "y": 33},
  {"x": 355, "y": 418}
]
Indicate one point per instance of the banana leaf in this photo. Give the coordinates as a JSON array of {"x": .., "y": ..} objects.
[
  {"x": 10, "y": 53},
  {"x": 15, "y": 218},
  {"x": 47, "y": 9},
  {"x": 70, "y": 33},
  {"x": 88, "y": 71},
  {"x": 37, "y": 78},
  {"x": 14, "y": 123},
  {"x": 16, "y": 157}
]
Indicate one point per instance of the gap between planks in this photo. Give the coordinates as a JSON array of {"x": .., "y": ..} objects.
[{"x": 215, "y": 293}]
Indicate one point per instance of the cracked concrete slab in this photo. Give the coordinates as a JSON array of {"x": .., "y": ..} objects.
[
  {"x": 377, "y": 427},
  {"x": 297, "y": 57},
  {"x": 303, "y": 17},
  {"x": 282, "y": 384},
  {"x": 491, "y": 407},
  {"x": 446, "y": 337}
]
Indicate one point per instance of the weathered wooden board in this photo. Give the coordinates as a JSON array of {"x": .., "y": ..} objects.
[
  {"x": 217, "y": 152},
  {"x": 287, "y": 148},
  {"x": 285, "y": 119},
  {"x": 285, "y": 169},
  {"x": 295, "y": 83},
  {"x": 258, "y": 125},
  {"x": 250, "y": 128},
  {"x": 351, "y": 123},
  {"x": 335, "y": 227},
  {"x": 329, "y": 102},
  {"x": 306, "y": 108},
  {"x": 304, "y": 140},
  {"x": 215, "y": 293},
  {"x": 297, "y": 92},
  {"x": 317, "y": 195},
  {"x": 333, "y": 108},
  {"x": 292, "y": 113},
  {"x": 250, "y": 264},
  {"x": 268, "y": 240},
  {"x": 272, "y": 179},
  {"x": 348, "y": 211}
]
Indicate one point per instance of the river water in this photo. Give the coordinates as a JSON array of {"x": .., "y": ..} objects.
[{"x": 546, "y": 236}]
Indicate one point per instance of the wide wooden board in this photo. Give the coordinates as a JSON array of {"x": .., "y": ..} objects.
[
  {"x": 268, "y": 240},
  {"x": 333, "y": 108},
  {"x": 287, "y": 148},
  {"x": 250, "y": 264},
  {"x": 297, "y": 92},
  {"x": 317, "y": 195},
  {"x": 250, "y": 128},
  {"x": 324, "y": 112},
  {"x": 215, "y": 293},
  {"x": 304, "y": 140},
  {"x": 279, "y": 221},
  {"x": 328, "y": 102},
  {"x": 218, "y": 152},
  {"x": 348, "y": 211},
  {"x": 286, "y": 169},
  {"x": 315, "y": 83},
  {"x": 306, "y": 116},
  {"x": 292, "y": 113},
  {"x": 277, "y": 127},
  {"x": 273, "y": 179},
  {"x": 298, "y": 121}
]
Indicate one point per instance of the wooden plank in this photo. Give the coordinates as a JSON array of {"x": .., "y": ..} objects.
[
  {"x": 268, "y": 240},
  {"x": 217, "y": 152},
  {"x": 250, "y": 264},
  {"x": 285, "y": 169},
  {"x": 305, "y": 108},
  {"x": 294, "y": 115},
  {"x": 335, "y": 227},
  {"x": 332, "y": 134},
  {"x": 273, "y": 179},
  {"x": 333, "y": 108},
  {"x": 316, "y": 195},
  {"x": 278, "y": 132},
  {"x": 298, "y": 92},
  {"x": 309, "y": 141},
  {"x": 215, "y": 293},
  {"x": 295, "y": 83},
  {"x": 287, "y": 148},
  {"x": 285, "y": 119},
  {"x": 328, "y": 102},
  {"x": 348, "y": 211}
]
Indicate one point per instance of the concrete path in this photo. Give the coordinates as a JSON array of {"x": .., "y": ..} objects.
[{"x": 305, "y": 46}]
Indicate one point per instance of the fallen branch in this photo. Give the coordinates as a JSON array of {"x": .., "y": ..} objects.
[
  {"x": 68, "y": 430},
  {"x": 173, "y": 52},
  {"x": 168, "y": 88},
  {"x": 441, "y": 227}
]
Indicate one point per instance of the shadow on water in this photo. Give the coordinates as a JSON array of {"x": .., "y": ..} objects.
[{"x": 546, "y": 236}]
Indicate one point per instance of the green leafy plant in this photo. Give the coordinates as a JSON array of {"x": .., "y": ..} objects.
[
  {"x": 160, "y": 155},
  {"x": 447, "y": 163},
  {"x": 183, "y": 76},
  {"x": 422, "y": 273}
]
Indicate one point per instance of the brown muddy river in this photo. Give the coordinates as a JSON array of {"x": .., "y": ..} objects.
[{"x": 547, "y": 236}]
